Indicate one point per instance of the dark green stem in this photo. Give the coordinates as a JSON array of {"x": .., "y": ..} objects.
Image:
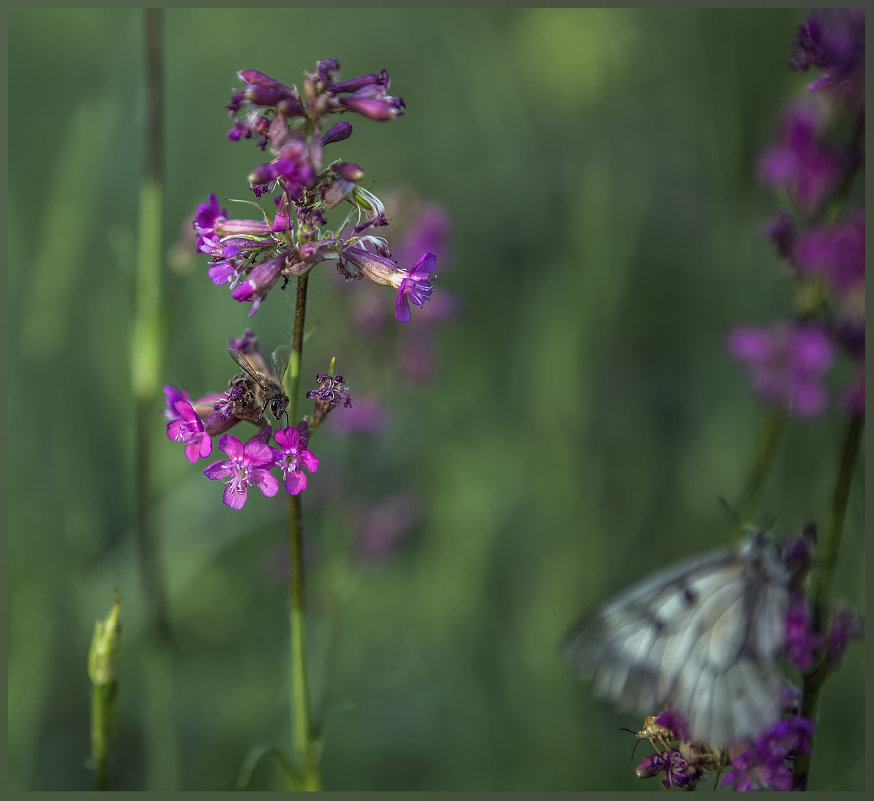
[
  {"x": 762, "y": 463},
  {"x": 146, "y": 355},
  {"x": 821, "y": 584},
  {"x": 146, "y": 336},
  {"x": 301, "y": 724}
]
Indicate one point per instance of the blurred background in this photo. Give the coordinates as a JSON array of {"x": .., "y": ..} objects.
[{"x": 562, "y": 422}]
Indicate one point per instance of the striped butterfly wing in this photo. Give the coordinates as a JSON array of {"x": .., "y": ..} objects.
[{"x": 700, "y": 638}]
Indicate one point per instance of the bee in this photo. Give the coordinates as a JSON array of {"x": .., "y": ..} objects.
[{"x": 262, "y": 389}]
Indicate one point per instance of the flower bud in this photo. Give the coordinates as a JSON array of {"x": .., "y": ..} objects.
[
  {"x": 348, "y": 171},
  {"x": 337, "y": 133}
]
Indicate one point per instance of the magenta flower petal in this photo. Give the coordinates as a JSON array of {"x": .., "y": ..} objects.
[
  {"x": 235, "y": 495},
  {"x": 295, "y": 482}
]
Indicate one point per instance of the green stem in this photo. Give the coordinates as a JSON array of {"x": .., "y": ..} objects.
[
  {"x": 301, "y": 724},
  {"x": 146, "y": 337},
  {"x": 146, "y": 355},
  {"x": 821, "y": 584},
  {"x": 762, "y": 463},
  {"x": 102, "y": 718}
]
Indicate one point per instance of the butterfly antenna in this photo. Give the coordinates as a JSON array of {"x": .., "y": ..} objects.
[{"x": 730, "y": 511}]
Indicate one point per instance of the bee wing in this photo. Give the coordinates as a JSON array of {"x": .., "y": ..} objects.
[
  {"x": 700, "y": 638},
  {"x": 240, "y": 358},
  {"x": 279, "y": 361}
]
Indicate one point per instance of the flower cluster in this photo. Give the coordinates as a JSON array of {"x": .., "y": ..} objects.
[
  {"x": 195, "y": 424},
  {"x": 253, "y": 256},
  {"x": 819, "y": 155},
  {"x": 765, "y": 762}
]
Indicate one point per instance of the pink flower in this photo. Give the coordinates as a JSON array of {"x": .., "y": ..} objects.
[
  {"x": 187, "y": 427},
  {"x": 293, "y": 457},
  {"x": 248, "y": 466}
]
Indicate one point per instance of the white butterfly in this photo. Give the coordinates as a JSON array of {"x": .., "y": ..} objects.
[{"x": 700, "y": 638}]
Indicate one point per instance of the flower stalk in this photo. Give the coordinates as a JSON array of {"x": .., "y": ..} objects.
[
  {"x": 301, "y": 725},
  {"x": 821, "y": 584}
]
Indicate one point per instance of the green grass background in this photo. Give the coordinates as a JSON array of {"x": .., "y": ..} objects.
[{"x": 599, "y": 168}]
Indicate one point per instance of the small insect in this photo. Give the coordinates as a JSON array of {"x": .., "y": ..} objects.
[
  {"x": 653, "y": 732},
  {"x": 700, "y": 638},
  {"x": 261, "y": 390}
]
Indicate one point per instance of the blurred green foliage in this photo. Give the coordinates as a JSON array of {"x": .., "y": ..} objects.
[{"x": 599, "y": 168}]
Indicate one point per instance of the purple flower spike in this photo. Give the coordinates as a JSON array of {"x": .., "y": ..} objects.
[
  {"x": 188, "y": 428},
  {"x": 801, "y": 643},
  {"x": 800, "y": 162},
  {"x": 786, "y": 365},
  {"x": 248, "y": 466},
  {"x": 768, "y": 763},
  {"x": 416, "y": 286},
  {"x": 293, "y": 457},
  {"x": 833, "y": 39},
  {"x": 837, "y": 253}
]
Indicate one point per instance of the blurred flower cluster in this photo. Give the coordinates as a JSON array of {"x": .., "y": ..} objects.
[
  {"x": 815, "y": 166},
  {"x": 382, "y": 519}
]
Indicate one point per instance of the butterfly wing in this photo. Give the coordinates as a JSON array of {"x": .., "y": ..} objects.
[{"x": 700, "y": 638}]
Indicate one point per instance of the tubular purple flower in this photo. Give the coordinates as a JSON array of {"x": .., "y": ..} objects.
[
  {"x": 260, "y": 281},
  {"x": 258, "y": 78},
  {"x": 243, "y": 227},
  {"x": 375, "y": 108},
  {"x": 379, "y": 269},
  {"x": 248, "y": 466},
  {"x": 379, "y": 80},
  {"x": 413, "y": 285},
  {"x": 416, "y": 287},
  {"x": 263, "y": 91},
  {"x": 282, "y": 220}
]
